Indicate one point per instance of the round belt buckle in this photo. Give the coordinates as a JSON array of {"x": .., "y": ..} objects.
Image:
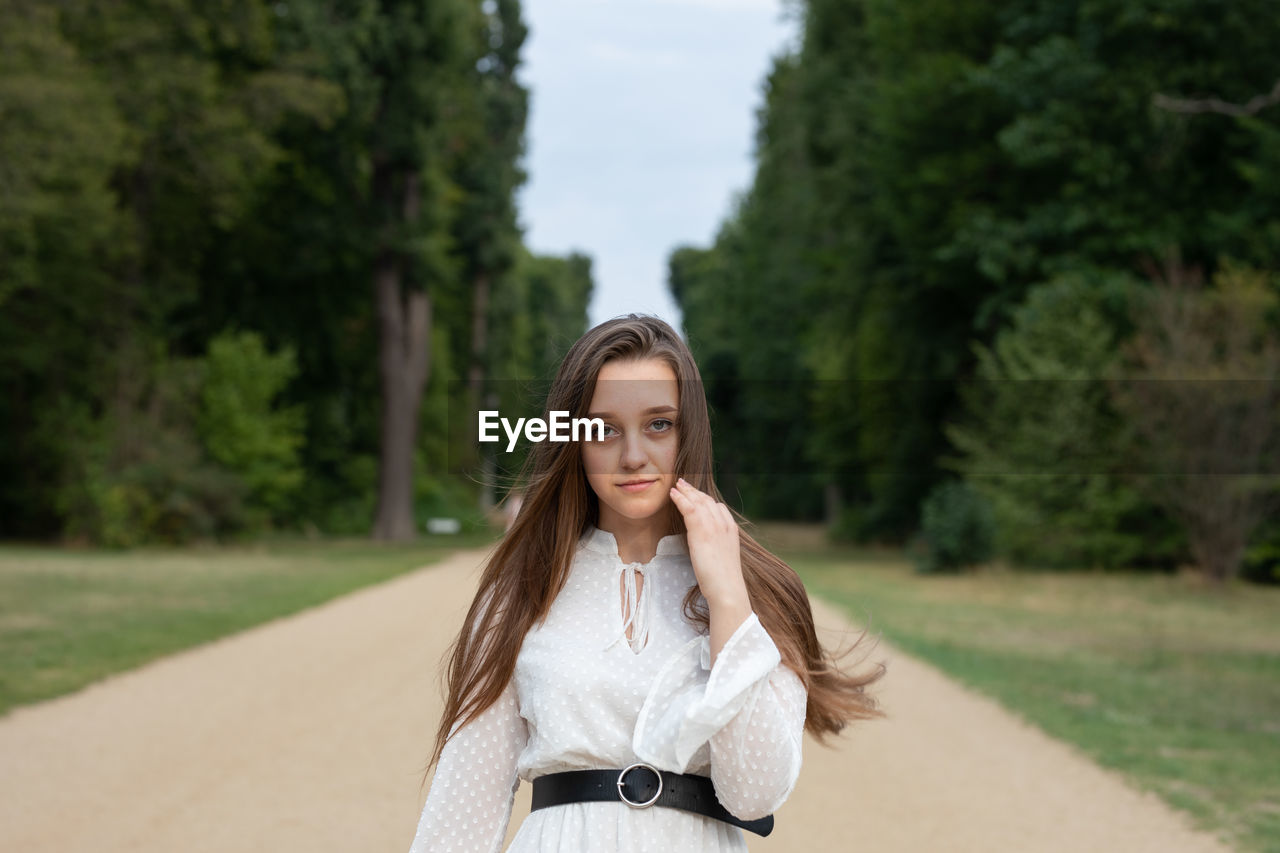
[{"x": 622, "y": 778}]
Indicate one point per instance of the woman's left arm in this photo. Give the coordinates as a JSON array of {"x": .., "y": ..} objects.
[{"x": 756, "y": 755}]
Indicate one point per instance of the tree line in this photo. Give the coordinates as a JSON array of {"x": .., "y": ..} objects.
[
  {"x": 252, "y": 254},
  {"x": 1006, "y": 282}
]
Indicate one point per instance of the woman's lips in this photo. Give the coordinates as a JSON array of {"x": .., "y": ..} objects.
[{"x": 636, "y": 487}]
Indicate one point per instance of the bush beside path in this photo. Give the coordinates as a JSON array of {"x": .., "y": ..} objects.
[{"x": 310, "y": 732}]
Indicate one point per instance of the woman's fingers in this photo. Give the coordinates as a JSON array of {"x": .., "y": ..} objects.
[
  {"x": 690, "y": 500},
  {"x": 682, "y": 503},
  {"x": 686, "y": 495},
  {"x": 692, "y": 492}
]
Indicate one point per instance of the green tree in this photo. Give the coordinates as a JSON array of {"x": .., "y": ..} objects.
[
  {"x": 314, "y": 232},
  {"x": 156, "y": 123},
  {"x": 60, "y": 230},
  {"x": 1040, "y": 439},
  {"x": 747, "y": 306},
  {"x": 172, "y": 170},
  {"x": 489, "y": 173},
  {"x": 418, "y": 59},
  {"x": 201, "y": 89},
  {"x": 940, "y": 160},
  {"x": 541, "y": 308}
]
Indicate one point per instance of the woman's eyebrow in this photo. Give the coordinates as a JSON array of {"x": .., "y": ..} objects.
[{"x": 652, "y": 410}]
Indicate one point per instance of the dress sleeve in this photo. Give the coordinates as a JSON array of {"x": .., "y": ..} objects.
[
  {"x": 749, "y": 709},
  {"x": 469, "y": 804}
]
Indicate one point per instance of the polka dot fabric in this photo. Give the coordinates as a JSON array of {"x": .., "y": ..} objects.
[{"x": 585, "y": 697}]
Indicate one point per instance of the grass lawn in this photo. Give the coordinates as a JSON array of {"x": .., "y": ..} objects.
[
  {"x": 68, "y": 618},
  {"x": 1173, "y": 683}
]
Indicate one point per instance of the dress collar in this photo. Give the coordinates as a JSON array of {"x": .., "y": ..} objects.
[{"x": 604, "y": 542}]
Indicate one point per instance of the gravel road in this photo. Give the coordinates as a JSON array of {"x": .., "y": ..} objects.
[{"x": 309, "y": 733}]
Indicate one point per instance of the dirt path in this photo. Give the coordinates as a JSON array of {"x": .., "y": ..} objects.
[{"x": 307, "y": 734}]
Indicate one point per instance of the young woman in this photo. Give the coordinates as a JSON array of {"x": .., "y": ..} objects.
[{"x": 630, "y": 650}]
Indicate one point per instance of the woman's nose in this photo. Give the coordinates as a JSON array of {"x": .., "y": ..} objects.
[{"x": 632, "y": 453}]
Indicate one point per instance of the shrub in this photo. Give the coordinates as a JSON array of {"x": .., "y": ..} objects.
[
  {"x": 1209, "y": 430},
  {"x": 186, "y": 448},
  {"x": 241, "y": 426},
  {"x": 1261, "y": 562},
  {"x": 956, "y": 527},
  {"x": 136, "y": 474}
]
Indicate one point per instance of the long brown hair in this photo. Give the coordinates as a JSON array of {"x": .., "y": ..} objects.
[{"x": 529, "y": 566}]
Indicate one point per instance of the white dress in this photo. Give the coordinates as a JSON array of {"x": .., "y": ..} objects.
[{"x": 585, "y": 697}]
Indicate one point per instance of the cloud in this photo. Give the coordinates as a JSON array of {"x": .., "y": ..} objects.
[
  {"x": 724, "y": 5},
  {"x": 611, "y": 52}
]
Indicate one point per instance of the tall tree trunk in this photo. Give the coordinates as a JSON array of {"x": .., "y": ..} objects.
[
  {"x": 404, "y": 345},
  {"x": 479, "y": 331},
  {"x": 476, "y": 376}
]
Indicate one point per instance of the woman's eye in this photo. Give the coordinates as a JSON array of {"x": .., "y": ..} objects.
[
  {"x": 608, "y": 431},
  {"x": 661, "y": 425}
]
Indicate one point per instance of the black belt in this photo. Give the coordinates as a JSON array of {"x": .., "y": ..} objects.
[{"x": 639, "y": 786}]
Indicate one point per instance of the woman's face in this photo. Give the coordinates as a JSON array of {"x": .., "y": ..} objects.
[{"x": 633, "y": 469}]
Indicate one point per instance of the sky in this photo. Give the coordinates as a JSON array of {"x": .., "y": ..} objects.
[{"x": 641, "y": 131}]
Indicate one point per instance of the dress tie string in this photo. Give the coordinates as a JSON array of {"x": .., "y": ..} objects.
[{"x": 637, "y": 606}]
